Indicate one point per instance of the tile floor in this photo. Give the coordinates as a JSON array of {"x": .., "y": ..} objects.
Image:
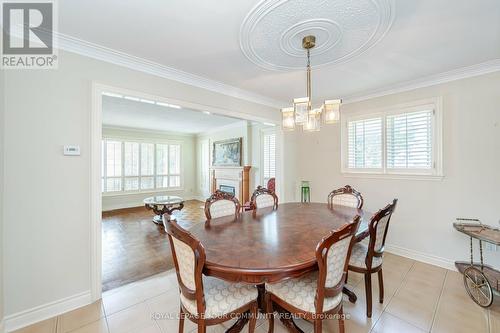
[{"x": 418, "y": 298}]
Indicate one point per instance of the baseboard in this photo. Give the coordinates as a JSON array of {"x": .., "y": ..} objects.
[
  {"x": 28, "y": 317},
  {"x": 138, "y": 203},
  {"x": 109, "y": 208},
  {"x": 421, "y": 256}
]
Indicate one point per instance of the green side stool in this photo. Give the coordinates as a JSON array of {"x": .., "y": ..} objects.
[{"x": 305, "y": 192}]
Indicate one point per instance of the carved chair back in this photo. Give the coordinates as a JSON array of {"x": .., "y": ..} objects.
[
  {"x": 263, "y": 197},
  {"x": 346, "y": 196},
  {"x": 271, "y": 184},
  {"x": 221, "y": 204},
  {"x": 189, "y": 260},
  {"x": 332, "y": 255},
  {"x": 379, "y": 225}
]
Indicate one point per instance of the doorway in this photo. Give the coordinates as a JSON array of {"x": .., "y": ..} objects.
[{"x": 128, "y": 166}]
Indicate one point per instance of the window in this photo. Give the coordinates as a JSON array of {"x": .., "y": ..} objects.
[
  {"x": 365, "y": 144},
  {"x": 269, "y": 160},
  {"x": 131, "y": 162},
  {"x": 129, "y": 166},
  {"x": 409, "y": 140},
  {"x": 205, "y": 167},
  {"x": 403, "y": 140}
]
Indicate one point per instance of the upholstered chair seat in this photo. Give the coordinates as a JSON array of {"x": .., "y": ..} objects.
[
  {"x": 301, "y": 293},
  {"x": 346, "y": 196},
  {"x": 348, "y": 200},
  {"x": 222, "y": 208},
  {"x": 221, "y": 204},
  {"x": 221, "y": 297},
  {"x": 263, "y": 197},
  {"x": 205, "y": 300},
  {"x": 368, "y": 259},
  {"x": 359, "y": 254},
  {"x": 319, "y": 293}
]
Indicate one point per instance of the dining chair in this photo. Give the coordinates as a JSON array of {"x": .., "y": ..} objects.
[
  {"x": 263, "y": 197},
  {"x": 271, "y": 184},
  {"x": 317, "y": 295},
  {"x": 206, "y": 300},
  {"x": 346, "y": 196},
  {"x": 221, "y": 204},
  {"x": 367, "y": 259}
]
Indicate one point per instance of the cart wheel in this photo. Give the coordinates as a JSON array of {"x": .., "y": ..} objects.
[{"x": 478, "y": 287}]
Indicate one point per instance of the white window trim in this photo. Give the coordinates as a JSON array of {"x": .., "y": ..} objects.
[
  {"x": 435, "y": 174},
  {"x": 124, "y": 139}
]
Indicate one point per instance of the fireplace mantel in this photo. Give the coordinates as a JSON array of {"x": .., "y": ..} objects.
[{"x": 237, "y": 177}]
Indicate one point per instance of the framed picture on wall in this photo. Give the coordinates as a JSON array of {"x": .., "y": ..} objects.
[{"x": 227, "y": 152}]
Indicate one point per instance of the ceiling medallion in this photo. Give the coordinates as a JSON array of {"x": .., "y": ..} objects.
[
  {"x": 302, "y": 112},
  {"x": 271, "y": 33}
]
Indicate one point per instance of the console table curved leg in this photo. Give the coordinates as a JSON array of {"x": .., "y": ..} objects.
[{"x": 164, "y": 210}]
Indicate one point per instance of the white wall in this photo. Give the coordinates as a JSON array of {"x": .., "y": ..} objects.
[
  {"x": 188, "y": 166},
  {"x": 426, "y": 210},
  {"x": 47, "y": 247},
  {"x": 2, "y": 129}
]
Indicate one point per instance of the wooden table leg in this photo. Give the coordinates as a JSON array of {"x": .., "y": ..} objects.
[{"x": 352, "y": 296}]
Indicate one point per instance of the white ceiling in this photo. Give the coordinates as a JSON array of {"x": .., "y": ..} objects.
[
  {"x": 419, "y": 39},
  {"x": 120, "y": 112}
]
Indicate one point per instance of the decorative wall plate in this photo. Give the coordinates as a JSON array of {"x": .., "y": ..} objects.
[{"x": 271, "y": 34}]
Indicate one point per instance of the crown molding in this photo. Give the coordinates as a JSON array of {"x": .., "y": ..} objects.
[
  {"x": 428, "y": 81},
  {"x": 95, "y": 51}
]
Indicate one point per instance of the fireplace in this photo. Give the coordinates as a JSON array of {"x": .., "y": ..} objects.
[
  {"x": 228, "y": 189},
  {"x": 234, "y": 180}
]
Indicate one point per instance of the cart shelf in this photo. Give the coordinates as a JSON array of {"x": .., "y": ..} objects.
[{"x": 491, "y": 274}]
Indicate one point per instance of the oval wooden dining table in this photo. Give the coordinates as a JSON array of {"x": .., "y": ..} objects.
[{"x": 266, "y": 245}]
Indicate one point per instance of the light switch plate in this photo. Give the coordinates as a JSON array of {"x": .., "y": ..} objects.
[{"x": 72, "y": 150}]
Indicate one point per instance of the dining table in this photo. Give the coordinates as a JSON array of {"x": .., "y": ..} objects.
[{"x": 269, "y": 245}]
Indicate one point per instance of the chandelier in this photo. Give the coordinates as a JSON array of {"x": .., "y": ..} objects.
[{"x": 302, "y": 112}]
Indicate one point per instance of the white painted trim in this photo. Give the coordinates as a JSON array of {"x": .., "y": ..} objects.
[
  {"x": 88, "y": 49},
  {"x": 185, "y": 104},
  {"x": 436, "y": 103},
  {"x": 421, "y": 256},
  {"x": 95, "y": 166},
  {"x": 148, "y": 131},
  {"x": 139, "y": 203},
  {"x": 46, "y": 311},
  {"x": 95, "y": 192},
  {"x": 158, "y": 191},
  {"x": 483, "y": 68},
  {"x": 367, "y": 175}
]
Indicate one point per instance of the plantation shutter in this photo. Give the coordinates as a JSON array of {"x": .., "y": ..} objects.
[
  {"x": 269, "y": 156},
  {"x": 365, "y": 144},
  {"x": 409, "y": 140}
]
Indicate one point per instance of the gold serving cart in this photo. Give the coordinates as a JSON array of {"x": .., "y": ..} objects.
[{"x": 480, "y": 280}]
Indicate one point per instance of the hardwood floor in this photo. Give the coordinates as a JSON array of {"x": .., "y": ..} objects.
[{"x": 133, "y": 247}]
